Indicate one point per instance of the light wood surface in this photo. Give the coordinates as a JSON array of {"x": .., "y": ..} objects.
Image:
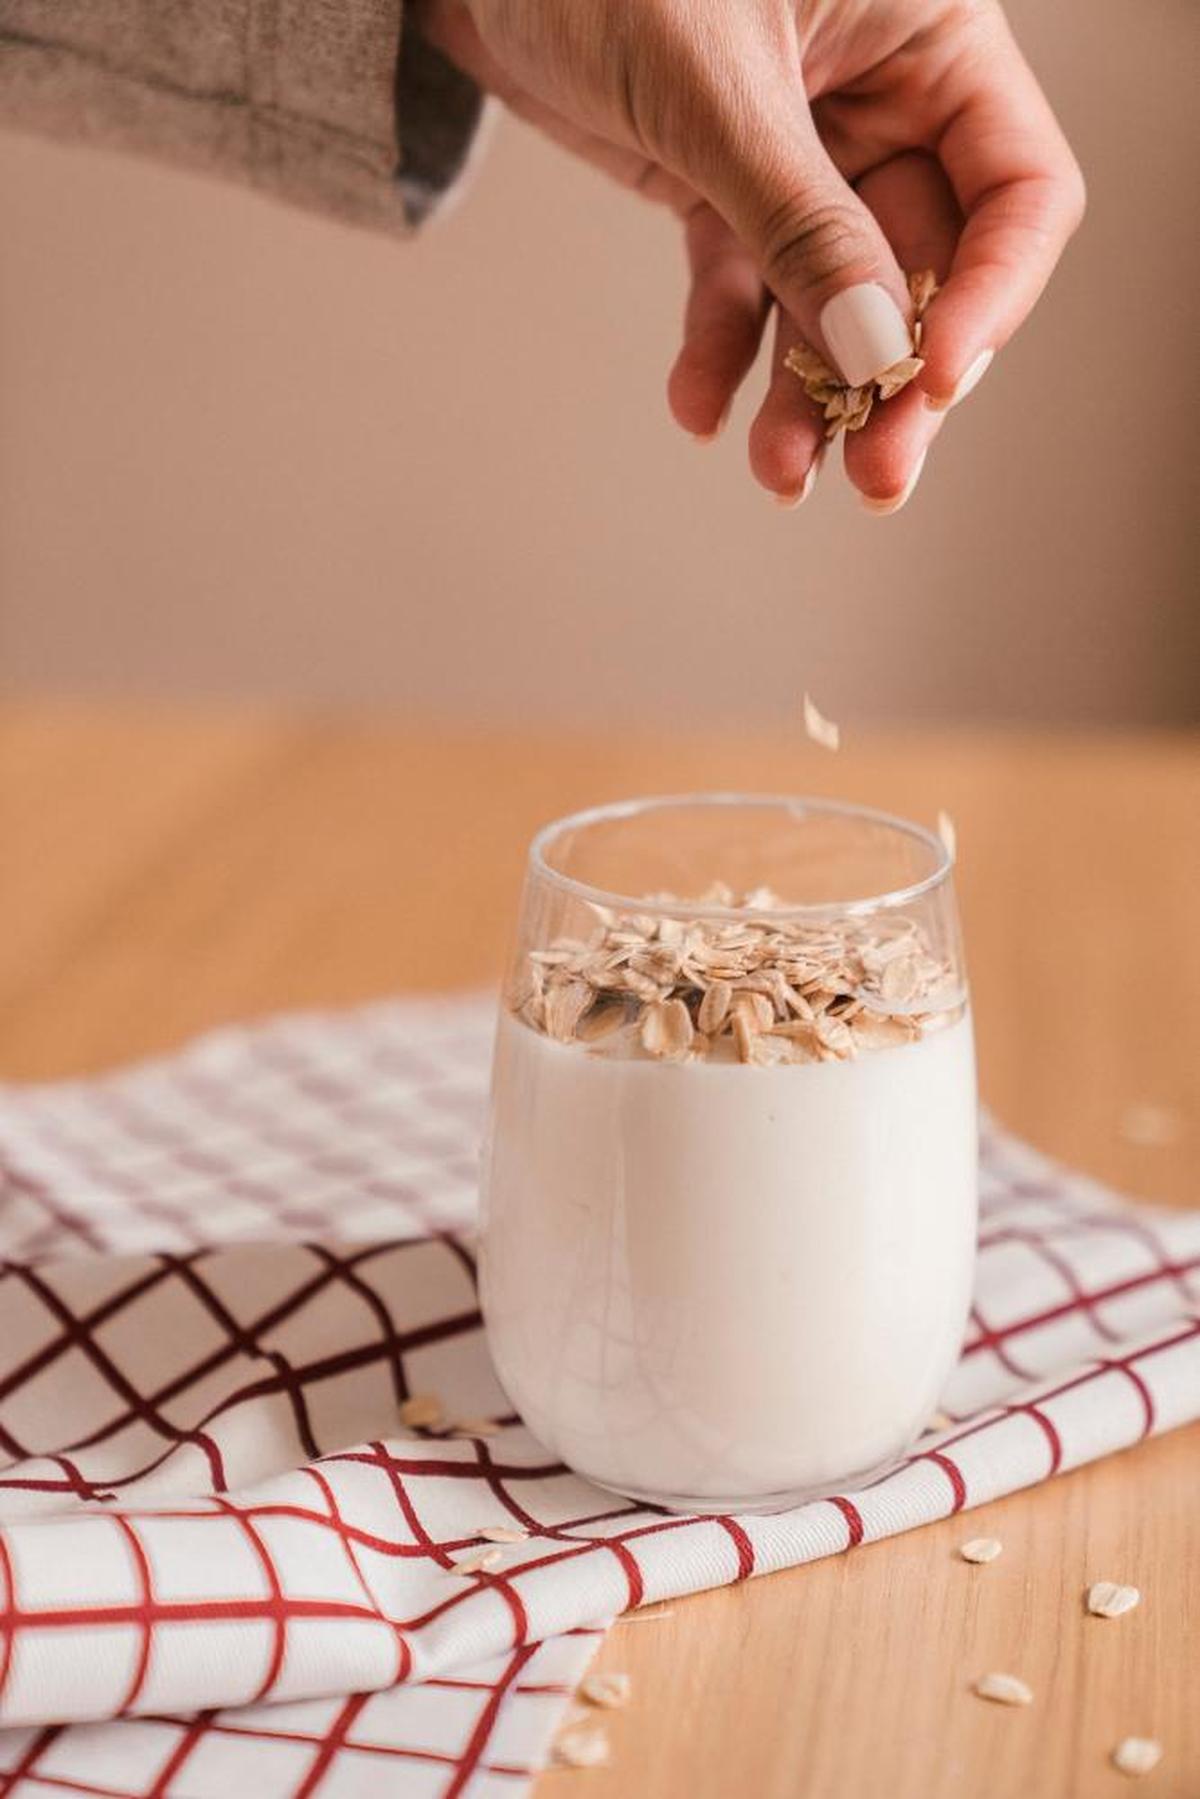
[{"x": 163, "y": 872}]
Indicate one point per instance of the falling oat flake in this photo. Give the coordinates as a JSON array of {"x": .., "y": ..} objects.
[
  {"x": 948, "y": 835},
  {"x": 822, "y": 730}
]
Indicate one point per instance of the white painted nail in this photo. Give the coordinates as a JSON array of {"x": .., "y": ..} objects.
[
  {"x": 974, "y": 375},
  {"x": 967, "y": 382},
  {"x": 897, "y": 500},
  {"x": 865, "y": 332}
]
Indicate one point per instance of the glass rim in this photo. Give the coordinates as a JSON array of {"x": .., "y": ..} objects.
[{"x": 795, "y": 804}]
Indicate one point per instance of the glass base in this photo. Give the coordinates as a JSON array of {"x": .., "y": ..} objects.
[{"x": 706, "y": 1506}]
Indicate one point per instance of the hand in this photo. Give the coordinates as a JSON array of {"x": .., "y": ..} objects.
[{"x": 813, "y": 153}]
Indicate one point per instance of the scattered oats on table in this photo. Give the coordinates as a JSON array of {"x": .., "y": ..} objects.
[
  {"x": 607, "y": 1690},
  {"x": 582, "y": 1746},
  {"x": 1137, "y": 1755},
  {"x": 1004, "y": 1689},
  {"x": 981, "y": 1549},
  {"x": 1108, "y": 1599},
  {"x": 848, "y": 408}
]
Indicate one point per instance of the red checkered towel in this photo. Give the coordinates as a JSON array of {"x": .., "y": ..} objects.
[{"x": 226, "y": 1270}]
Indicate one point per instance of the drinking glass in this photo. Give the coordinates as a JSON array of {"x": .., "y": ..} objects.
[{"x": 729, "y": 1198}]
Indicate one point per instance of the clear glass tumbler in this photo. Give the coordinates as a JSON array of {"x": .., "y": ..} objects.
[{"x": 729, "y": 1195}]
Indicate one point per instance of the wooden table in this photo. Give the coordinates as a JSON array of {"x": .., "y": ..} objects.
[{"x": 162, "y": 872}]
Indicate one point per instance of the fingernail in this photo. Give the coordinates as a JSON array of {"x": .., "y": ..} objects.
[
  {"x": 710, "y": 437},
  {"x": 865, "y": 332},
  {"x": 897, "y": 500},
  {"x": 791, "y": 500},
  {"x": 967, "y": 382}
]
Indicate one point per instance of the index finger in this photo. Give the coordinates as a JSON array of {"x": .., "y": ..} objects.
[{"x": 1023, "y": 196}]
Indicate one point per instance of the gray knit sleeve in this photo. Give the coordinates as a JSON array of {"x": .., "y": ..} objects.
[{"x": 337, "y": 105}]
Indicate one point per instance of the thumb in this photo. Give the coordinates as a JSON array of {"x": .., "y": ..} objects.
[{"x": 820, "y": 250}]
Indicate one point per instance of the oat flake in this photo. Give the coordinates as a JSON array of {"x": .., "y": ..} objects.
[
  {"x": 583, "y": 1746},
  {"x": 481, "y": 1561},
  {"x": 423, "y": 1411},
  {"x": 822, "y": 730},
  {"x": 1005, "y": 1689},
  {"x": 1137, "y": 1755},
  {"x": 1108, "y": 1599},
  {"x": 981, "y": 1549},
  {"x": 608, "y": 1690}
]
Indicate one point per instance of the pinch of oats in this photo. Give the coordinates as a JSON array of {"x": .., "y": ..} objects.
[
  {"x": 423, "y": 1411},
  {"x": 666, "y": 1029},
  {"x": 803, "y": 360},
  {"x": 981, "y": 1549},
  {"x": 898, "y": 376},
  {"x": 1004, "y": 1689},
  {"x": 1108, "y": 1599},
  {"x": 820, "y": 729},
  {"x": 714, "y": 1007},
  {"x": 502, "y": 1533},
  {"x": 1137, "y": 1755},
  {"x": 607, "y": 1690},
  {"x": 480, "y": 1561},
  {"x": 1150, "y": 1127},
  {"x": 582, "y": 1746}
]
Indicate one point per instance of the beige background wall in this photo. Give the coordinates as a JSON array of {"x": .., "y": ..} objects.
[{"x": 246, "y": 452}]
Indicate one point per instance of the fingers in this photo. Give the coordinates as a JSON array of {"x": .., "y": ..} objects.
[
  {"x": 1022, "y": 195},
  {"x": 723, "y": 325},
  {"x": 756, "y": 155},
  {"x": 787, "y": 438}
]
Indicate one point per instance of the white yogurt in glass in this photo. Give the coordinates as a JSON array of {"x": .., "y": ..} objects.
[{"x": 722, "y": 1287}]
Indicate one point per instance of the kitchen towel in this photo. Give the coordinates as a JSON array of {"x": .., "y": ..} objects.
[{"x": 226, "y": 1565}]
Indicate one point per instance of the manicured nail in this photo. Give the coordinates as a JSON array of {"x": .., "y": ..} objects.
[
  {"x": 710, "y": 437},
  {"x": 810, "y": 481},
  {"x": 865, "y": 332},
  {"x": 967, "y": 382},
  {"x": 897, "y": 500}
]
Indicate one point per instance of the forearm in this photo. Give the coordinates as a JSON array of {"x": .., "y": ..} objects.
[{"x": 336, "y": 105}]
